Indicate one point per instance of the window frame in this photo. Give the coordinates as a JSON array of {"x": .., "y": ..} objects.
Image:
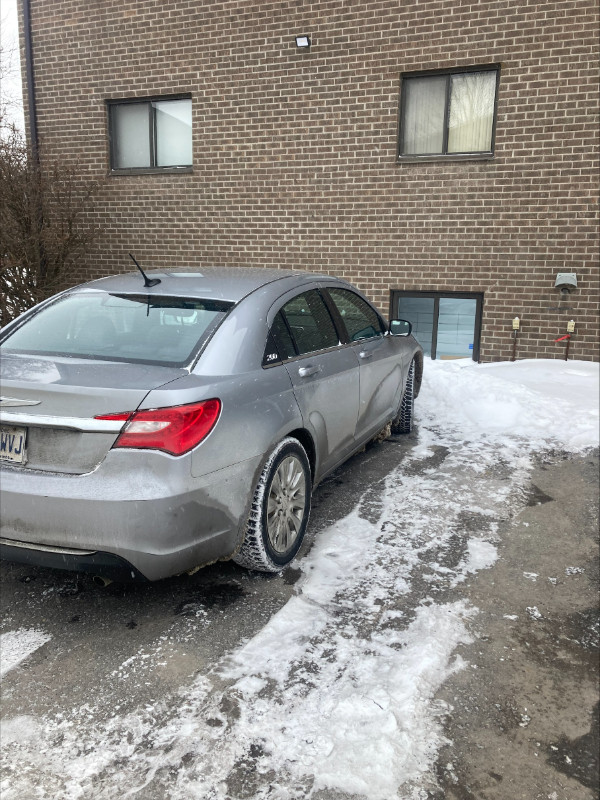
[
  {"x": 480, "y": 155},
  {"x": 396, "y": 294},
  {"x": 112, "y": 138}
]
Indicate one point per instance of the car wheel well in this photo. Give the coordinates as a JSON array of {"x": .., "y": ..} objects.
[{"x": 306, "y": 440}]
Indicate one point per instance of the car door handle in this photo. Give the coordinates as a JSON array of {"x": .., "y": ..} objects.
[
  {"x": 365, "y": 354},
  {"x": 304, "y": 372}
]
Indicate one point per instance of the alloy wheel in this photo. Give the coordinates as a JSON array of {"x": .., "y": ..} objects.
[{"x": 286, "y": 503}]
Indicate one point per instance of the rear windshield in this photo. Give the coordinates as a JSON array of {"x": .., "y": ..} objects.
[{"x": 120, "y": 327}]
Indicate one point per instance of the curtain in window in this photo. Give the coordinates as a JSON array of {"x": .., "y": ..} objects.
[
  {"x": 131, "y": 135},
  {"x": 471, "y": 118},
  {"x": 423, "y": 122}
]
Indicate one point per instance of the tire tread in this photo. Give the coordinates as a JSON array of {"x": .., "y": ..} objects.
[
  {"x": 402, "y": 422},
  {"x": 253, "y": 553}
]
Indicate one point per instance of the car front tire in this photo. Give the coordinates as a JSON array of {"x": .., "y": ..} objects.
[
  {"x": 280, "y": 510},
  {"x": 402, "y": 422}
]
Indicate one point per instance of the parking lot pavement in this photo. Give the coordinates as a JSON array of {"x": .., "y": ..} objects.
[
  {"x": 523, "y": 717},
  {"x": 435, "y": 639}
]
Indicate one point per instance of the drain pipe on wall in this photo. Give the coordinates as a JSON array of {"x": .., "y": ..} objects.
[
  {"x": 33, "y": 130},
  {"x": 34, "y": 142}
]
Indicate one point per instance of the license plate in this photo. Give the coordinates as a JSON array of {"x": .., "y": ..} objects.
[{"x": 12, "y": 444}]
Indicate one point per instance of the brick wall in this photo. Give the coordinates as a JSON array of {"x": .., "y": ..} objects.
[{"x": 295, "y": 153}]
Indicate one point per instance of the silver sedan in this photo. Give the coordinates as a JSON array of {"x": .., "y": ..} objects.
[{"x": 153, "y": 424}]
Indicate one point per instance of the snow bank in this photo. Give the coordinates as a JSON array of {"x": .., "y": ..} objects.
[{"x": 543, "y": 402}]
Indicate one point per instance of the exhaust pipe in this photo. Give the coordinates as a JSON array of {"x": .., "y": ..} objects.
[{"x": 99, "y": 580}]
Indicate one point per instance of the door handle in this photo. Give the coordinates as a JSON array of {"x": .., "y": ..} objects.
[
  {"x": 365, "y": 354},
  {"x": 304, "y": 372}
]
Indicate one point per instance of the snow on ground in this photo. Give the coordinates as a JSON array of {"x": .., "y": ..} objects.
[
  {"x": 542, "y": 402},
  {"x": 16, "y": 646},
  {"x": 337, "y": 691}
]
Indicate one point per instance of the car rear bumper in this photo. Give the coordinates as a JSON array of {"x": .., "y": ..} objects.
[
  {"x": 117, "y": 520},
  {"x": 106, "y": 565}
]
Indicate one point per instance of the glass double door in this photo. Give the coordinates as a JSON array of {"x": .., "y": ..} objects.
[{"x": 445, "y": 325}]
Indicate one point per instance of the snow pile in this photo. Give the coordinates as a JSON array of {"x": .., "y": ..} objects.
[
  {"x": 16, "y": 646},
  {"x": 337, "y": 692},
  {"x": 543, "y": 402}
]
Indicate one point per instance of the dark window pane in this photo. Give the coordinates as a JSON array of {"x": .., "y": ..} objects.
[
  {"x": 419, "y": 311},
  {"x": 310, "y": 323},
  {"x": 360, "y": 319},
  {"x": 166, "y": 330},
  {"x": 282, "y": 338}
]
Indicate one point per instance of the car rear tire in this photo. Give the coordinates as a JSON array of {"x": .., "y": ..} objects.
[
  {"x": 280, "y": 510},
  {"x": 402, "y": 422}
]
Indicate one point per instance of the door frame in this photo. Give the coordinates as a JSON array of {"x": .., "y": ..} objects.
[{"x": 396, "y": 294}]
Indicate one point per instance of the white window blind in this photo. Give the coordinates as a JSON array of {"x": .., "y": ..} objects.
[{"x": 448, "y": 113}]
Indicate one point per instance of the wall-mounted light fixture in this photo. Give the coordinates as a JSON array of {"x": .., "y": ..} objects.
[
  {"x": 565, "y": 281},
  {"x": 303, "y": 42}
]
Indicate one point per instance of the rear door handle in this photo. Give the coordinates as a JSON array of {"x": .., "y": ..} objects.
[
  {"x": 304, "y": 372},
  {"x": 365, "y": 354}
]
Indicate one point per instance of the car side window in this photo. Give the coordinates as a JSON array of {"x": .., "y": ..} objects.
[
  {"x": 310, "y": 323},
  {"x": 279, "y": 343},
  {"x": 361, "y": 321}
]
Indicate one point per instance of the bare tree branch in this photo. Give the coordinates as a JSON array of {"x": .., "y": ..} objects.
[{"x": 44, "y": 226}]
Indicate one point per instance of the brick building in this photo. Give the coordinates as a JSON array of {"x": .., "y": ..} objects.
[{"x": 440, "y": 154}]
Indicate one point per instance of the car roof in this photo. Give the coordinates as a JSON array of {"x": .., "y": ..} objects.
[{"x": 220, "y": 283}]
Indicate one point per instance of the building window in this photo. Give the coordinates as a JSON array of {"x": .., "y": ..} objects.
[
  {"x": 448, "y": 114},
  {"x": 446, "y": 324},
  {"x": 151, "y": 134}
]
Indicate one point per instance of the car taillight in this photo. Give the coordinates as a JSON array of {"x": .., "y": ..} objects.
[{"x": 175, "y": 430}]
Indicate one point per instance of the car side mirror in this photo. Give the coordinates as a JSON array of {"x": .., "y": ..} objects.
[{"x": 400, "y": 327}]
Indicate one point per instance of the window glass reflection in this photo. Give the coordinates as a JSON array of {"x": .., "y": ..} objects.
[
  {"x": 173, "y": 133},
  {"x": 420, "y": 312}
]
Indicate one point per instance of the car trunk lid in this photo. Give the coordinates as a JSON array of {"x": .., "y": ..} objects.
[{"x": 53, "y": 402}]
